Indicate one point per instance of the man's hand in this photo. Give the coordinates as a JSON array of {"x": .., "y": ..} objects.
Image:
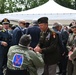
[
  {"x": 37, "y": 49},
  {"x": 69, "y": 54},
  {"x": 4, "y": 43}
]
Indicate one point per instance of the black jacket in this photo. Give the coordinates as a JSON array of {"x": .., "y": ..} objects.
[{"x": 50, "y": 48}]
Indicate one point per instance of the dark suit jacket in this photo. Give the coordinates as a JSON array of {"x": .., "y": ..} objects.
[
  {"x": 17, "y": 33},
  {"x": 65, "y": 36},
  {"x": 34, "y": 31}
]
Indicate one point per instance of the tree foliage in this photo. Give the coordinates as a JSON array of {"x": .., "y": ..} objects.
[
  {"x": 67, "y": 3},
  {"x": 9, "y": 6}
]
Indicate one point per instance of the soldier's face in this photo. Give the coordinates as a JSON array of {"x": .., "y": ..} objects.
[
  {"x": 74, "y": 30},
  {"x": 43, "y": 26},
  {"x": 6, "y": 26}
]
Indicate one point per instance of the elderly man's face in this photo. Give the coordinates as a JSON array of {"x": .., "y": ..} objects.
[{"x": 43, "y": 26}]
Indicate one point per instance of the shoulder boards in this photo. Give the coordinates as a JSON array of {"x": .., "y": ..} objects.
[{"x": 3, "y": 30}]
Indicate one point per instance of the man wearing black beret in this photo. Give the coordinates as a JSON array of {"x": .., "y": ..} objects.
[
  {"x": 48, "y": 46},
  {"x": 42, "y": 20}
]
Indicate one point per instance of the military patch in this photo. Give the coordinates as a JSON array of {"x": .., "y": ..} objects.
[
  {"x": 17, "y": 60},
  {"x": 54, "y": 34}
]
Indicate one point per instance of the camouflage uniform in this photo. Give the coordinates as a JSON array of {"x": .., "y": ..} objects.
[
  {"x": 71, "y": 45},
  {"x": 73, "y": 55},
  {"x": 31, "y": 60}
]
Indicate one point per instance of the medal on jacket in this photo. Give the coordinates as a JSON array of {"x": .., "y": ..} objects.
[
  {"x": 48, "y": 36},
  {"x": 54, "y": 34}
]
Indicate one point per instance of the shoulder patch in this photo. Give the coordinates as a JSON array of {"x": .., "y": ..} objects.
[
  {"x": 53, "y": 34},
  {"x": 17, "y": 60}
]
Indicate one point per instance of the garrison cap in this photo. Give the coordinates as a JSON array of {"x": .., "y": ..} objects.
[
  {"x": 5, "y": 21},
  {"x": 43, "y": 20}
]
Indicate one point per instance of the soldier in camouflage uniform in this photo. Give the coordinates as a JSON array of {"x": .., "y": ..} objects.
[
  {"x": 72, "y": 52},
  {"x": 22, "y": 61}
]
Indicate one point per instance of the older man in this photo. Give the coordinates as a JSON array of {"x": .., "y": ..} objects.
[
  {"x": 17, "y": 32},
  {"x": 21, "y": 60}
]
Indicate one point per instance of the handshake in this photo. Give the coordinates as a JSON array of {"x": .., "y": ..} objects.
[{"x": 36, "y": 49}]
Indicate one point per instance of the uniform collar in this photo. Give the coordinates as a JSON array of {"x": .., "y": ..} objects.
[
  {"x": 22, "y": 46},
  {"x": 20, "y": 27},
  {"x": 46, "y": 31}
]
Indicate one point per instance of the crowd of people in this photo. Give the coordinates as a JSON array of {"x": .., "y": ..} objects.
[{"x": 25, "y": 48}]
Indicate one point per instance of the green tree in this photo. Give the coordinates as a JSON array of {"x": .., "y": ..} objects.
[
  {"x": 2, "y": 6},
  {"x": 67, "y": 3},
  {"x": 9, "y": 6}
]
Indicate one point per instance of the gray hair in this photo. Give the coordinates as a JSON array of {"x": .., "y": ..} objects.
[{"x": 57, "y": 24}]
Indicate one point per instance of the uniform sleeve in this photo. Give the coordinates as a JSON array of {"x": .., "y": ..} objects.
[
  {"x": 37, "y": 59},
  {"x": 53, "y": 45}
]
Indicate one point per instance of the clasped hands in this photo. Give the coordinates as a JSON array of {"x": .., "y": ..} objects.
[{"x": 36, "y": 49}]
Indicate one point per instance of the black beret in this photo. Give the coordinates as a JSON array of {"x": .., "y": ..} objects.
[
  {"x": 5, "y": 21},
  {"x": 43, "y": 20}
]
